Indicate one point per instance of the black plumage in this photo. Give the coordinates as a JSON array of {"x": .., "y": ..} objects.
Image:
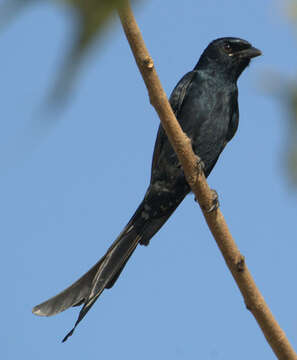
[{"x": 205, "y": 104}]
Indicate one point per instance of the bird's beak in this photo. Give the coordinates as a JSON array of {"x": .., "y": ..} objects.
[{"x": 250, "y": 53}]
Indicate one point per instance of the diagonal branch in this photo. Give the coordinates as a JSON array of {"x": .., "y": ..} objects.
[{"x": 182, "y": 145}]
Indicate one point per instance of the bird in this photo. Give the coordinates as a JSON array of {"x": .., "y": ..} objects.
[{"x": 205, "y": 103}]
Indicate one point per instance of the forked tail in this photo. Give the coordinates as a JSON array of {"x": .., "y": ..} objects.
[{"x": 106, "y": 271}]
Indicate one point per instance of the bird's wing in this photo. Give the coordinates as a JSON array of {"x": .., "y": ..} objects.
[
  {"x": 178, "y": 94},
  {"x": 233, "y": 124},
  {"x": 176, "y": 100}
]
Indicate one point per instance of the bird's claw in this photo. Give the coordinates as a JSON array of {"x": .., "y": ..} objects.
[
  {"x": 214, "y": 202},
  {"x": 200, "y": 165}
]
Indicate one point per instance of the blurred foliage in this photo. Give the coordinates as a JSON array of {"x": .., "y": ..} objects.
[
  {"x": 10, "y": 8},
  {"x": 90, "y": 18},
  {"x": 290, "y": 103},
  {"x": 284, "y": 89}
]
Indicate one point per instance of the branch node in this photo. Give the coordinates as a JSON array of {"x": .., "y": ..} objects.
[
  {"x": 240, "y": 264},
  {"x": 148, "y": 62}
]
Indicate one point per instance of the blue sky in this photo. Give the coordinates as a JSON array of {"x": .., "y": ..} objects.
[{"x": 70, "y": 181}]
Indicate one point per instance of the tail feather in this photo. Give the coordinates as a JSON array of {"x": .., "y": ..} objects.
[
  {"x": 113, "y": 263},
  {"x": 74, "y": 295},
  {"x": 106, "y": 271}
]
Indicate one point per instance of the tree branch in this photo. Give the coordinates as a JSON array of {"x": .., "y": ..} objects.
[{"x": 182, "y": 145}]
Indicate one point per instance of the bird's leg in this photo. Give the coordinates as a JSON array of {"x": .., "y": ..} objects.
[
  {"x": 214, "y": 202},
  {"x": 215, "y": 197}
]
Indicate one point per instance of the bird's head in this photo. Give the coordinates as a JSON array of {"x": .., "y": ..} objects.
[{"x": 228, "y": 55}]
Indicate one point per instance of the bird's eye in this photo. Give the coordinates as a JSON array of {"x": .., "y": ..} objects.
[{"x": 227, "y": 48}]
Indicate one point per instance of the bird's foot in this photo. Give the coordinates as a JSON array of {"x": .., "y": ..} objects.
[
  {"x": 200, "y": 165},
  {"x": 215, "y": 204}
]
